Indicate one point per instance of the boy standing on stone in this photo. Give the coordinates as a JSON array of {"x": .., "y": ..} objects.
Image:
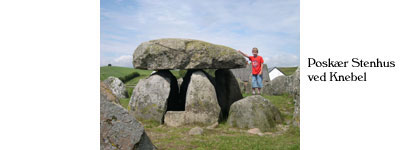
[{"x": 257, "y": 66}]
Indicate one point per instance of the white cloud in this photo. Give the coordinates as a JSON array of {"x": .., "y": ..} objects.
[
  {"x": 281, "y": 60},
  {"x": 272, "y": 26},
  {"x": 124, "y": 60}
]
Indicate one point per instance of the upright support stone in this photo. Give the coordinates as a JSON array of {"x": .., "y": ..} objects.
[
  {"x": 201, "y": 101},
  {"x": 152, "y": 96},
  {"x": 175, "y": 118}
]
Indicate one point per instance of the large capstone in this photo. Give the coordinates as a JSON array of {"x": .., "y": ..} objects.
[
  {"x": 201, "y": 101},
  {"x": 228, "y": 90},
  {"x": 254, "y": 112},
  {"x": 171, "y": 53},
  {"x": 119, "y": 129},
  {"x": 116, "y": 86},
  {"x": 153, "y": 96}
]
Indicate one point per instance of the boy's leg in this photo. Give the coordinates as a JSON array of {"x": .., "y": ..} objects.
[
  {"x": 259, "y": 83},
  {"x": 254, "y": 83}
]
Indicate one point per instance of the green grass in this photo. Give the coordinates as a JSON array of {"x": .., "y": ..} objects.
[
  {"x": 129, "y": 89},
  {"x": 176, "y": 74},
  {"x": 107, "y": 71},
  {"x": 135, "y": 81},
  {"x": 116, "y": 71},
  {"x": 221, "y": 138},
  {"x": 124, "y": 102},
  {"x": 224, "y": 137},
  {"x": 288, "y": 70}
]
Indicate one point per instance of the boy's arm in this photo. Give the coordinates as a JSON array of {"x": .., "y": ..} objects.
[
  {"x": 243, "y": 54},
  {"x": 262, "y": 65}
]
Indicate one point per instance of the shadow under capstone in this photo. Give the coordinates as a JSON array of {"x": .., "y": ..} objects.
[
  {"x": 228, "y": 91},
  {"x": 173, "y": 102}
]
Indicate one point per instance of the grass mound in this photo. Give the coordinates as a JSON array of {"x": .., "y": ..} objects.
[{"x": 288, "y": 70}]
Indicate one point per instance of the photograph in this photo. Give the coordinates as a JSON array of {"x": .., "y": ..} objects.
[{"x": 200, "y": 74}]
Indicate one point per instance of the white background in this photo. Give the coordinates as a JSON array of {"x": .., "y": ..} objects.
[
  {"x": 50, "y": 74},
  {"x": 350, "y": 115},
  {"x": 50, "y": 58}
]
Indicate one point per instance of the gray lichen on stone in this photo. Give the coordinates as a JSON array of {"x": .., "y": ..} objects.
[
  {"x": 172, "y": 53},
  {"x": 254, "y": 112}
]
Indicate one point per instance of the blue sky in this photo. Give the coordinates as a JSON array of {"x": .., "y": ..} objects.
[{"x": 270, "y": 25}]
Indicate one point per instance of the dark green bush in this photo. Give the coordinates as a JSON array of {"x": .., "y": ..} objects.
[
  {"x": 211, "y": 72},
  {"x": 182, "y": 73},
  {"x": 129, "y": 77},
  {"x": 129, "y": 90}
]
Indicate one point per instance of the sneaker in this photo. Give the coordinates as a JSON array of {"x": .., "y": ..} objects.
[{"x": 254, "y": 93}]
